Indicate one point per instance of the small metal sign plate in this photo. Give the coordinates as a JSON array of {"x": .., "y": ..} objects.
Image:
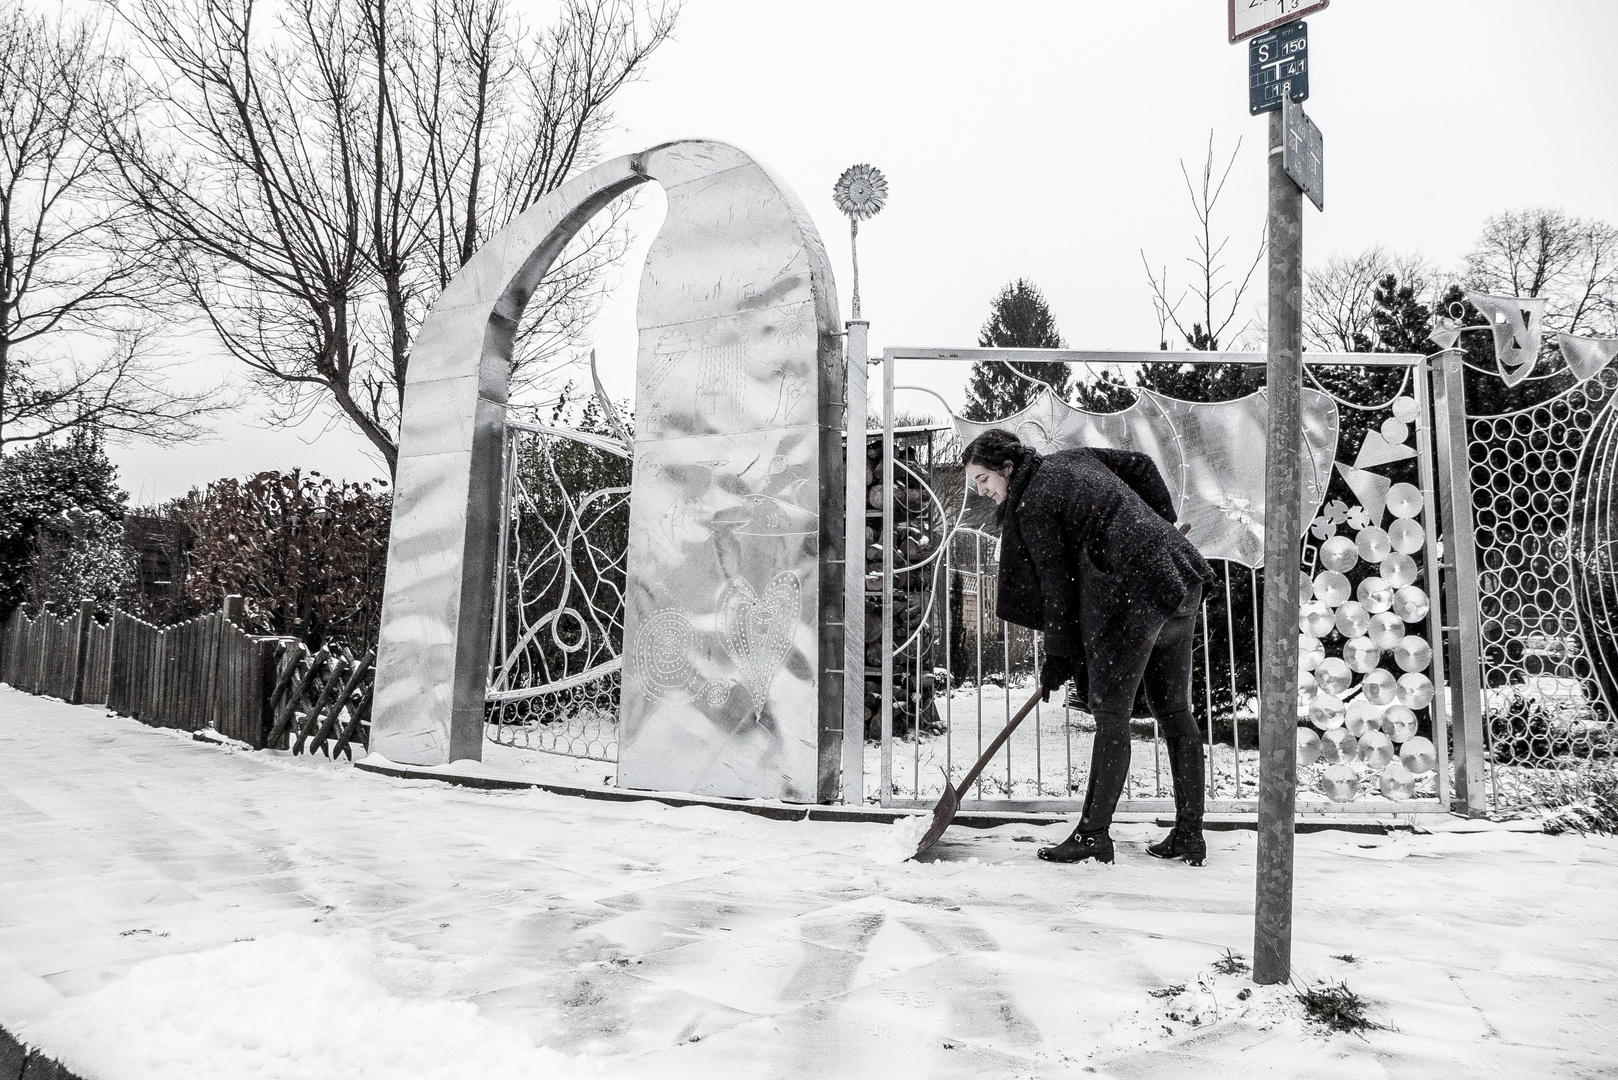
[
  {"x": 1302, "y": 153},
  {"x": 1277, "y": 67},
  {"x": 1249, "y": 17}
]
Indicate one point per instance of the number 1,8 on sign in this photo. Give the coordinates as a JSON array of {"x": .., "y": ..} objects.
[{"x": 1277, "y": 66}]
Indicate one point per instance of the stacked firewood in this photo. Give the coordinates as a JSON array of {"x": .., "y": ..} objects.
[{"x": 916, "y": 531}]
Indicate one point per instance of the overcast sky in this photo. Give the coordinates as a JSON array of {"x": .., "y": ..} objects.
[{"x": 1044, "y": 140}]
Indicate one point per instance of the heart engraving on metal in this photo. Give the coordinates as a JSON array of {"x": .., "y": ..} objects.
[{"x": 758, "y": 632}]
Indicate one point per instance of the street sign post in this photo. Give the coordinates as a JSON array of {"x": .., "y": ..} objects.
[
  {"x": 1249, "y": 17},
  {"x": 1278, "y": 81},
  {"x": 1278, "y": 67},
  {"x": 1302, "y": 152}
]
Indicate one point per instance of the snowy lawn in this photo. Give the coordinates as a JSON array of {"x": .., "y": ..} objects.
[{"x": 171, "y": 909}]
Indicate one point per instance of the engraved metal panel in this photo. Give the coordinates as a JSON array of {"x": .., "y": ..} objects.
[{"x": 730, "y": 619}]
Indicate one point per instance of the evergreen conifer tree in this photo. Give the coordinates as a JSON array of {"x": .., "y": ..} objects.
[{"x": 1019, "y": 318}]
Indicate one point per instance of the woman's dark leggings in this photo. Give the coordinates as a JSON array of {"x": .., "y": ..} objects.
[{"x": 1166, "y": 671}]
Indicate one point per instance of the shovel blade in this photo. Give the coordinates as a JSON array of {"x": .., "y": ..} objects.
[{"x": 943, "y": 814}]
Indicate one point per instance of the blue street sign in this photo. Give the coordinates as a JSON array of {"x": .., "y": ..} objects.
[{"x": 1278, "y": 64}]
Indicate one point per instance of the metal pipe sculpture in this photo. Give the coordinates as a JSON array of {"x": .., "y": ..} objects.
[{"x": 732, "y": 681}]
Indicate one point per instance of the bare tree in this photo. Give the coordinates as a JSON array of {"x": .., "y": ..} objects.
[
  {"x": 1339, "y": 297},
  {"x": 1571, "y": 261},
  {"x": 79, "y": 309},
  {"x": 320, "y": 169},
  {"x": 1216, "y": 295}
]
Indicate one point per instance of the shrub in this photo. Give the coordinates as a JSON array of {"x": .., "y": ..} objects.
[
  {"x": 306, "y": 553},
  {"x": 79, "y": 555},
  {"x": 1592, "y": 806},
  {"x": 38, "y": 484}
]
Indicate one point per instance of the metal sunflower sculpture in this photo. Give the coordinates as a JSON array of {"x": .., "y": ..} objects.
[{"x": 860, "y": 193}]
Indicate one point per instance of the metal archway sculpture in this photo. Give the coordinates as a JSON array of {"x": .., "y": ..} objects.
[{"x": 732, "y": 681}]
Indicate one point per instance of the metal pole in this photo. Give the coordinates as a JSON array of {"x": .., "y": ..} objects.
[
  {"x": 1465, "y": 667},
  {"x": 854, "y": 546},
  {"x": 888, "y": 530},
  {"x": 1278, "y": 704},
  {"x": 1438, "y": 710}
]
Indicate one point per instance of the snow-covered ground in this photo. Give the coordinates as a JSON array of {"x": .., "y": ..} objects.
[{"x": 173, "y": 909}]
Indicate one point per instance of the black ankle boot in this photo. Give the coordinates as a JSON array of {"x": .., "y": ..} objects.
[
  {"x": 1189, "y": 846},
  {"x": 1185, "y": 841},
  {"x": 1081, "y": 845}
]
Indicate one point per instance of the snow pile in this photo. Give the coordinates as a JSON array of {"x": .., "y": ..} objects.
[
  {"x": 290, "y": 1006},
  {"x": 897, "y": 842}
]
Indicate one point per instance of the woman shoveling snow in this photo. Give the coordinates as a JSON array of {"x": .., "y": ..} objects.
[{"x": 1090, "y": 556}]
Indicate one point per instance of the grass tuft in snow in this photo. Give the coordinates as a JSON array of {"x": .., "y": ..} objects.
[
  {"x": 1337, "y": 1007},
  {"x": 1347, "y": 958},
  {"x": 1231, "y": 964},
  {"x": 1168, "y": 991},
  {"x": 1594, "y": 807}
]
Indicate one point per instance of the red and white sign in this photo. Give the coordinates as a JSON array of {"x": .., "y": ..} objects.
[{"x": 1249, "y": 17}]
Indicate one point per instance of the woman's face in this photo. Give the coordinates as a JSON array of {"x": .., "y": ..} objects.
[{"x": 990, "y": 482}]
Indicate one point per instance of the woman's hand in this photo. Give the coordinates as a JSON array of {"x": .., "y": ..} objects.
[{"x": 1056, "y": 671}]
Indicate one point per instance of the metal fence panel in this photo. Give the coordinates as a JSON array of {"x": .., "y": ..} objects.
[
  {"x": 1542, "y": 483},
  {"x": 1373, "y": 728}
]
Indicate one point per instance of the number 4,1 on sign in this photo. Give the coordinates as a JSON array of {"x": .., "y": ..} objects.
[{"x": 1249, "y": 17}]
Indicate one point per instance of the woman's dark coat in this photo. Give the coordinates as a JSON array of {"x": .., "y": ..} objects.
[{"x": 1090, "y": 556}]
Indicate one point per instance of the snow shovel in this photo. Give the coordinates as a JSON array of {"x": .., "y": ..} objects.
[{"x": 950, "y": 801}]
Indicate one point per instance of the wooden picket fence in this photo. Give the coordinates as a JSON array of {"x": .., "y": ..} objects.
[
  {"x": 203, "y": 673},
  {"x": 56, "y": 656}
]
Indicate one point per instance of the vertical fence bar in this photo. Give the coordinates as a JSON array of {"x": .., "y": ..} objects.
[
  {"x": 887, "y": 579},
  {"x": 1230, "y": 648},
  {"x": 1005, "y": 672},
  {"x": 855, "y": 514},
  {"x": 1435, "y": 605},
  {"x": 977, "y": 552},
  {"x": 1039, "y": 761},
  {"x": 1461, "y": 583},
  {"x": 1207, "y": 668}
]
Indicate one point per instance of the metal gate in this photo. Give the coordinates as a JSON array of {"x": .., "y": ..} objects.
[
  {"x": 1532, "y": 604},
  {"x": 1373, "y": 733},
  {"x": 556, "y": 654},
  {"x": 1538, "y": 619}
]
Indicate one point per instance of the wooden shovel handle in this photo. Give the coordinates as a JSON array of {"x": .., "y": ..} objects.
[{"x": 999, "y": 741}]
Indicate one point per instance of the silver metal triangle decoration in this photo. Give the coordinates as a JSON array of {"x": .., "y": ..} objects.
[
  {"x": 1377, "y": 450},
  {"x": 1370, "y": 488},
  {"x": 1586, "y": 356}
]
